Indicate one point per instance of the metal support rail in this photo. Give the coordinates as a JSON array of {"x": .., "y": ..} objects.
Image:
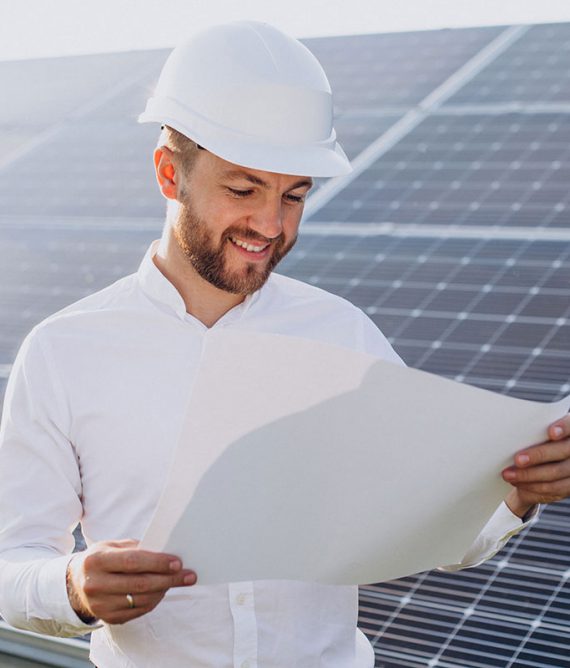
[{"x": 46, "y": 650}]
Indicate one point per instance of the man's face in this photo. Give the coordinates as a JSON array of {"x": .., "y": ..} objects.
[{"x": 235, "y": 224}]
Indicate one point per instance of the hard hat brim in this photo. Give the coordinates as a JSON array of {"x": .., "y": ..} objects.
[{"x": 322, "y": 159}]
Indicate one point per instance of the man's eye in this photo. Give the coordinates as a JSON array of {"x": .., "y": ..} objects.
[
  {"x": 297, "y": 199},
  {"x": 240, "y": 193}
]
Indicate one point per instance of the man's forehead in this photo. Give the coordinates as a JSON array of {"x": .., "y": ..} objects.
[
  {"x": 265, "y": 179},
  {"x": 213, "y": 166}
]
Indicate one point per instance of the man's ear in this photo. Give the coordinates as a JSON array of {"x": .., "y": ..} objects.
[{"x": 165, "y": 172}]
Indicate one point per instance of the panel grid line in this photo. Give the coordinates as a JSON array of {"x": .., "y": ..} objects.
[
  {"x": 54, "y": 130},
  {"x": 536, "y": 624},
  {"x": 451, "y": 231},
  {"x": 503, "y": 324},
  {"x": 499, "y": 567},
  {"x": 415, "y": 116},
  {"x": 398, "y": 609}
]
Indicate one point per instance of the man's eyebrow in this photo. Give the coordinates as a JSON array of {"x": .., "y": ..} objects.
[
  {"x": 303, "y": 182},
  {"x": 239, "y": 174}
]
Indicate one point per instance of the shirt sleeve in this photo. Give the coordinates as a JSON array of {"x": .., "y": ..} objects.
[
  {"x": 40, "y": 497},
  {"x": 502, "y": 525}
]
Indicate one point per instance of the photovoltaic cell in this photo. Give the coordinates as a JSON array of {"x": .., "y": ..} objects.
[
  {"x": 507, "y": 170},
  {"x": 370, "y": 72},
  {"x": 355, "y": 132},
  {"x": 446, "y": 299},
  {"x": 496, "y": 614},
  {"x": 102, "y": 168},
  {"x": 130, "y": 100},
  {"x": 45, "y": 269},
  {"x": 534, "y": 69},
  {"x": 49, "y": 91}
]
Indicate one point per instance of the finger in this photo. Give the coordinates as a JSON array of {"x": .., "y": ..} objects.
[
  {"x": 120, "y": 602},
  {"x": 560, "y": 429},
  {"x": 116, "y": 609},
  {"x": 544, "y": 492},
  {"x": 124, "y": 543},
  {"x": 541, "y": 473},
  {"x": 125, "y": 560},
  {"x": 135, "y": 583},
  {"x": 543, "y": 454}
]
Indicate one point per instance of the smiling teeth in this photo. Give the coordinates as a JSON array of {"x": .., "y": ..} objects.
[{"x": 248, "y": 247}]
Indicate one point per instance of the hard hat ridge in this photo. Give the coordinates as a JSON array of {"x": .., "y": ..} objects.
[{"x": 253, "y": 96}]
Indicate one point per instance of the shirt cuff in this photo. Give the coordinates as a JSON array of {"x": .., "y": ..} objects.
[
  {"x": 505, "y": 522},
  {"x": 52, "y": 592},
  {"x": 502, "y": 525}
]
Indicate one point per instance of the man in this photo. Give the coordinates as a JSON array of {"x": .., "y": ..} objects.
[{"x": 97, "y": 394}]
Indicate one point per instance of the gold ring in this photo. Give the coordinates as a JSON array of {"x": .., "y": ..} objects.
[{"x": 130, "y": 600}]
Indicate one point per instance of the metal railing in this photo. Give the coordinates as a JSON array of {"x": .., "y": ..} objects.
[{"x": 60, "y": 652}]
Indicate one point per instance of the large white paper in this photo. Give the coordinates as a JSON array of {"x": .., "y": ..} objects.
[{"x": 300, "y": 460}]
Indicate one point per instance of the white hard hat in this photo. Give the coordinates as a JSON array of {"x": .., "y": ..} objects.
[{"x": 253, "y": 96}]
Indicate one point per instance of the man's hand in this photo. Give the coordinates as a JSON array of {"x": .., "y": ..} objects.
[
  {"x": 541, "y": 473},
  {"x": 100, "y": 578}
]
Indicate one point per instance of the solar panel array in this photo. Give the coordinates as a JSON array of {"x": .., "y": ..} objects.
[
  {"x": 469, "y": 169},
  {"x": 374, "y": 72},
  {"x": 453, "y": 238},
  {"x": 492, "y": 313}
]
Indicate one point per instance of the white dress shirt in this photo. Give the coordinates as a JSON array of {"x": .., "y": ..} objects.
[{"x": 92, "y": 413}]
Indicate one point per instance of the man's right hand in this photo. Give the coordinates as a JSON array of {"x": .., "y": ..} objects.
[{"x": 99, "y": 579}]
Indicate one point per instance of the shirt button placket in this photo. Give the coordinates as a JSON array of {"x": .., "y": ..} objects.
[{"x": 245, "y": 624}]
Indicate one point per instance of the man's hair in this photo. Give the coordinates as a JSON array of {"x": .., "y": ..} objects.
[{"x": 184, "y": 149}]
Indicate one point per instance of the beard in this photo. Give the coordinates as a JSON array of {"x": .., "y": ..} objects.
[{"x": 209, "y": 259}]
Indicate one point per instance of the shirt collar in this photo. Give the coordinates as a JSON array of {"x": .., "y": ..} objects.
[{"x": 156, "y": 286}]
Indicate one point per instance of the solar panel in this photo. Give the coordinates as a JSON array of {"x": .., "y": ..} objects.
[
  {"x": 46, "y": 269},
  {"x": 505, "y": 613},
  {"x": 49, "y": 91},
  {"x": 457, "y": 300},
  {"x": 534, "y": 70},
  {"x": 93, "y": 167},
  {"x": 394, "y": 70},
  {"x": 131, "y": 99},
  {"x": 356, "y": 132},
  {"x": 11, "y": 139},
  {"x": 508, "y": 170}
]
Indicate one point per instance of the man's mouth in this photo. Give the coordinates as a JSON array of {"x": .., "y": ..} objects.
[{"x": 252, "y": 248}]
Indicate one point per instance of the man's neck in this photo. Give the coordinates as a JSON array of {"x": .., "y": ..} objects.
[{"x": 204, "y": 301}]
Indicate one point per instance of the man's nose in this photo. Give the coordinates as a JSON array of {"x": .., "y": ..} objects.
[{"x": 267, "y": 219}]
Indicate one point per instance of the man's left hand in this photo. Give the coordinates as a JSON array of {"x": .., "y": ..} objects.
[{"x": 541, "y": 473}]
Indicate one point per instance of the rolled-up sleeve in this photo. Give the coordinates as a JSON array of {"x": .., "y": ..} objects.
[
  {"x": 502, "y": 525},
  {"x": 40, "y": 496}
]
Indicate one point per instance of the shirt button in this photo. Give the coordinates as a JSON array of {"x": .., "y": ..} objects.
[{"x": 241, "y": 599}]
